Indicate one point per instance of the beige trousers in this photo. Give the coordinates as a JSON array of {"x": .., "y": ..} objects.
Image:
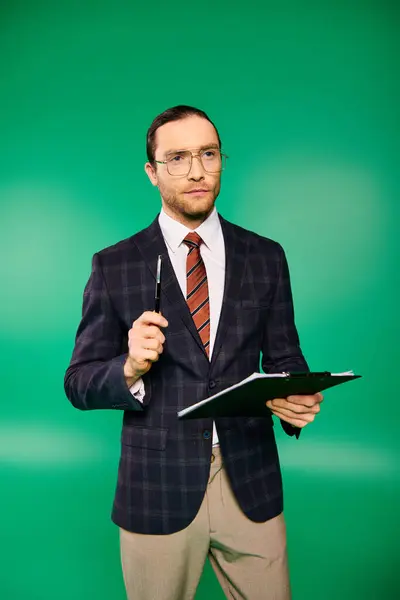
[{"x": 249, "y": 559}]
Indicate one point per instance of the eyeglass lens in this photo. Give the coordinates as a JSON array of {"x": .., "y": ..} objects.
[{"x": 180, "y": 163}]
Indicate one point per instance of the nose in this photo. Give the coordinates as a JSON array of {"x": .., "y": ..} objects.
[{"x": 196, "y": 170}]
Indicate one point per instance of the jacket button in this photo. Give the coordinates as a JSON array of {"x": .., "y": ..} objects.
[
  {"x": 206, "y": 434},
  {"x": 211, "y": 384}
]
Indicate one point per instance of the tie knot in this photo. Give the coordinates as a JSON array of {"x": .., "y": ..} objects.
[{"x": 193, "y": 240}]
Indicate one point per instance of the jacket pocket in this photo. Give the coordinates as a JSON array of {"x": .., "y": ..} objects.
[{"x": 154, "y": 438}]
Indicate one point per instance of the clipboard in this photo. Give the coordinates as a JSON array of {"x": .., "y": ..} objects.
[{"x": 248, "y": 397}]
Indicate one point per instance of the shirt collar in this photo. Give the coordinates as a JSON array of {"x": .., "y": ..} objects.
[{"x": 175, "y": 232}]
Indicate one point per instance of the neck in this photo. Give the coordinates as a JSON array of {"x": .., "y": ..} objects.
[{"x": 189, "y": 221}]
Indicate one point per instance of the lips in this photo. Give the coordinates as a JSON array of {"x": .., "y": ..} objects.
[{"x": 197, "y": 191}]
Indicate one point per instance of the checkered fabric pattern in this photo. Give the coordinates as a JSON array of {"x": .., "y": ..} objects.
[{"x": 165, "y": 461}]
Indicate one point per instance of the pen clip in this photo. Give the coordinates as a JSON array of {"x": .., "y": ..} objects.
[
  {"x": 158, "y": 275},
  {"x": 157, "y": 292}
]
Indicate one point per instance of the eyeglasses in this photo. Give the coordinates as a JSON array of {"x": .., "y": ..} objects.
[{"x": 179, "y": 163}]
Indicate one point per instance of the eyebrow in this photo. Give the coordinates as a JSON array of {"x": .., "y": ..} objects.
[{"x": 204, "y": 147}]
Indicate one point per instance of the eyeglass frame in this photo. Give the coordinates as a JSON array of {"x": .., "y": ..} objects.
[{"x": 193, "y": 155}]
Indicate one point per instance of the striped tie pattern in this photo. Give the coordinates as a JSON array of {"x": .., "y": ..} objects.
[{"x": 197, "y": 289}]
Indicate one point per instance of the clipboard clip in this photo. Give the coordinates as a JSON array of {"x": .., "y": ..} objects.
[{"x": 307, "y": 374}]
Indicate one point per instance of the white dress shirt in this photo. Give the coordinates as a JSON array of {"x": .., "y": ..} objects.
[{"x": 213, "y": 254}]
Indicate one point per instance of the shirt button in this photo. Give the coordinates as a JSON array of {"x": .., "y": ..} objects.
[
  {"x": 211, "y": 384},
  {"x": 206, "y": 434}
]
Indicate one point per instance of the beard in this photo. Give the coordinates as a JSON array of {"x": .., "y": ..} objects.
[{"x": 190, "y": 208}]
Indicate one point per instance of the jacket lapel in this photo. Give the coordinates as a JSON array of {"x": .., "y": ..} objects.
[
  {"x": 235, "y": 261},
  {"x": 150, "y": 243}
]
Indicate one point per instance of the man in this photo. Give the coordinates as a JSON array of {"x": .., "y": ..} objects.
[{"x": 191, "y": 488}]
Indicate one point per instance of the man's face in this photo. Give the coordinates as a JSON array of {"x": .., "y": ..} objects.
[{"x": 188, "y": 198}]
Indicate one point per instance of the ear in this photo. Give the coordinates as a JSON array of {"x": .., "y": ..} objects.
[{"x": 151, "y": 172}]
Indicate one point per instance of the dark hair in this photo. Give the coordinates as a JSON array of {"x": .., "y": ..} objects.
[{"x": 172, "y": 114}]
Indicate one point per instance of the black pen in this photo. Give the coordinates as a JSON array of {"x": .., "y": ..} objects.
[{"x": 158, "y": 286}]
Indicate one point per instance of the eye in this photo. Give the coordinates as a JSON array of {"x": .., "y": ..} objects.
[
  {"x": 209, "y": 153},
  {"x": 176, "y": 158}
]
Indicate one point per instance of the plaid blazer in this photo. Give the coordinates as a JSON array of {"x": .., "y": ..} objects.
[{"x": 164, "y": 464}]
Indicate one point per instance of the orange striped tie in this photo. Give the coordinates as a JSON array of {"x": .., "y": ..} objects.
[{"x": 197, "y": 289}]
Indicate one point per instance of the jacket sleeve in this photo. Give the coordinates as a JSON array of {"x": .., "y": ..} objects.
[
  {"x": 95, "y": 378},
  {"x": 281, "y": 348}
]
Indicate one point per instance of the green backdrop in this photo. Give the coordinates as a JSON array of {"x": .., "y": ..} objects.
[{"x": 306, "y": 98}]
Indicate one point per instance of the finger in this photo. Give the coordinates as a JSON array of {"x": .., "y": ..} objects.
[
  {"x": 152, "y": 318},
  {"x": 298, "y": 408},
  {"x": 306, "y": 400},
  {"x": 152, "y": 344},
  {"x": 296, "y": 421},
  {"x": 151, "y": 331},
  {"x": 151, "y": 355},
  {"x": 295, "y": 408},
  {"x": 288, "y": 414}
]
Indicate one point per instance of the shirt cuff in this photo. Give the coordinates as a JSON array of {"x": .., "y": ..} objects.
[{"x": 137, "y": 389}]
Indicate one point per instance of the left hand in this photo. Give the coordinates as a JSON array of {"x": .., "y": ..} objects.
[{"x": 296, "y": 410}]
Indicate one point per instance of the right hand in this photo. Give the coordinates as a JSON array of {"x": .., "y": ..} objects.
[{"x": 145, "y": 342}]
